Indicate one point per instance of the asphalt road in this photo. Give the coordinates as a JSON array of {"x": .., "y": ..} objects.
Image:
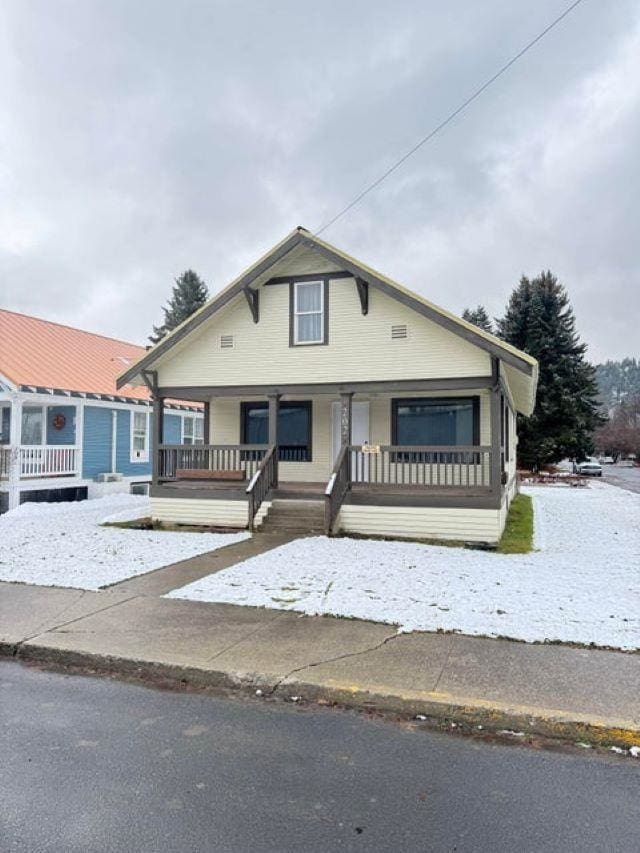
[
  {"x": 619, "y": 475},
  {"x": 95, "y": 765}
]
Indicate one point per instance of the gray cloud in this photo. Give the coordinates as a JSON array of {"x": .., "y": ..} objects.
[{"x": 137, "y": 139}]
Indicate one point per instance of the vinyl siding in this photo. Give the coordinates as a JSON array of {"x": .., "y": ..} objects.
[
  {"x": 467, "y": 525},
  {"x": 210, "y": 513},
  {"x": 66, "y": 435},
  {"x": 360, "y": 347},
  {"x": 96, "y": 454},
  {"x": 124, "y": 465},
  {"x": 172, "y": 429},
  {"x": 96, "y": 448}
]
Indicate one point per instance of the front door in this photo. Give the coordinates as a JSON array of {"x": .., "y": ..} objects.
[{"x": 359, "y": 426}]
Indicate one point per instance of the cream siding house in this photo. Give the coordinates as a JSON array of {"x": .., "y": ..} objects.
[{"x": 325, "y": 382}]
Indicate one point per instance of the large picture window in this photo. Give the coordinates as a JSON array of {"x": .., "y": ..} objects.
[
  {"x": 294, "y": 428},
  {"x": 308, "y": 309},
  {"x": 436, "y": 421}
]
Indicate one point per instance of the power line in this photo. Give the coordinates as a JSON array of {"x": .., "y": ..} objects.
[{"x": 450, "y": 117}]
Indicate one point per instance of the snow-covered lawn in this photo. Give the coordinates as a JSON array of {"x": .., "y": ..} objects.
[
  {"x": 64, "y": 544},
  {"x": 581, "y": 585}
]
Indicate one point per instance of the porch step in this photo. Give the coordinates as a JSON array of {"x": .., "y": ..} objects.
[{"x": 290, "y": 516}]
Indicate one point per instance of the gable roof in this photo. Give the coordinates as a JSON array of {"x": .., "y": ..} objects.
[
  {"x": 301, "y": 237},
  {"x": 37, "y": 353}
]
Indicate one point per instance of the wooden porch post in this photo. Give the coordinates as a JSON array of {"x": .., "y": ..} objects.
[
  {"x": 206, "y": 426},
  {"x": 157, "y": 436},
  {"x": 346, "y": 418},
  {"x": 496, "y": 438},
  {"x": 274, "y": 407}
]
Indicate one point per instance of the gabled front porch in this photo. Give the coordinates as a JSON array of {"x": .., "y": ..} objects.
[{"x": 344, "y": 446}]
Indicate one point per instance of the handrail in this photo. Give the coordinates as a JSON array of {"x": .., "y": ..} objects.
[
  {"x": 261, "y": 482},
  {"x": 337, "y": 488}
]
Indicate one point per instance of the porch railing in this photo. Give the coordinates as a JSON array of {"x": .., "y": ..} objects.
[
  {"x": 337, "y": 488},
  {"x": 48, "y": 461},
  {"x": 5, "y": 462},
  {"x": 458, "y": 466},
  {"x": 263, "y": 480},
  {"x": 209, "y": 457}
]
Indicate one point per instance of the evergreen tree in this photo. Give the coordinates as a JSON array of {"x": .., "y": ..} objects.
[
  {"x": 539, "y": 320},
  {"x": 189, "y": 293},
  {"x": 479, "y": 317}
]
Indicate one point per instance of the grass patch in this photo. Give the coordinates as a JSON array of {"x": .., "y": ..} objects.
[{"x": 518, "y": 532}]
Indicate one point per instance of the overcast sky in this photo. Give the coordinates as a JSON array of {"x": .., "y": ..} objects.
[{"x": 140, "y": 138}]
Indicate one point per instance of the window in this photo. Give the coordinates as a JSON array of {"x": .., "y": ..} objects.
[
  {"x": 308, "y": 310},
  {"x": 32, "y": 423},
  {"x": 294, "y": 428},
  {"x": 5, "y": 424},
  {"x": 192, "y": 430},
  {"x": 139, "y": 437},
  {"x": 437, "y": 421}
]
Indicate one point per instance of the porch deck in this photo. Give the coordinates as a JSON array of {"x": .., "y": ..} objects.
[{"x": 310, "y": 491}]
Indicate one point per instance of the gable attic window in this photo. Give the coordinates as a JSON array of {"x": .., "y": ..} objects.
[{"x": 308, "y": 313}]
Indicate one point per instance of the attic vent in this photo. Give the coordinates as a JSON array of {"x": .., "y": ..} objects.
[
  {"x": 398, "y": 332},
  {"x": 226, "y": 341}
]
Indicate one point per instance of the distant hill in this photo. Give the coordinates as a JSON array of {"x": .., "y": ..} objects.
[{"x": 617, "y": 380}]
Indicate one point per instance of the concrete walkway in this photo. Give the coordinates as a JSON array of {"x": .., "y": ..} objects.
[{"x": 129, "y": 630}]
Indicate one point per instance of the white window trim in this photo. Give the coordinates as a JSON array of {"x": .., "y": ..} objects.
[
  {"x": 139, "y": 455},
  {"x": 296, "y": 313},
  {"x": 195, "y": 439}
]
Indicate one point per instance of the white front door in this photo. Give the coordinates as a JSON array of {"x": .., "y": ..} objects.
[{"x": 359, "y": 426}]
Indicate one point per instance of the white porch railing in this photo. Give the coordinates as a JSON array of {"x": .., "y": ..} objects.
[{"x": 49, "y": 461}]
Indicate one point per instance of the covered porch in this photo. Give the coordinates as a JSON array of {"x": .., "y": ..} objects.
[
  {"x": 39, "y": 439},
  {"x": 358, "y": 444}
]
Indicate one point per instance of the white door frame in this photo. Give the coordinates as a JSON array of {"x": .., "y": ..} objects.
[{"x": 360, "y": 426}]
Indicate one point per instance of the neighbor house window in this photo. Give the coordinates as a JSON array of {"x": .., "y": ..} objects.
[
  {"x": 32, "y": 425},
  {"x": 139, "y": 437},
  {"x": 294, "y": 428},
  {"x": 308, "y": 310},
  {"x": 440, "y": 422},
  {"x": 5, "y": 424},
  {"x": 192, "y": 430}
]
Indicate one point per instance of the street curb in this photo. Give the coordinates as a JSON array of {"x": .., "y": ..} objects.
[{"x": 434, "y": 708}]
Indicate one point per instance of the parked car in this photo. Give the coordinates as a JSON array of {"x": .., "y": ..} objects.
[
  {"x": 590, "y": 468},
  {"x": 606, "y": 460}
]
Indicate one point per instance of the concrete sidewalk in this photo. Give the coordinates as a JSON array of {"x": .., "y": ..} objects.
[{"x": 551, "y": 690}]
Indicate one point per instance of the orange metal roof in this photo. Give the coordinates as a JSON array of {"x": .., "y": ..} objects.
[{"x": 48, "y": 355}]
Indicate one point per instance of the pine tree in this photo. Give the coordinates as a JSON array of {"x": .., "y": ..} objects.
[
  {"x": 189, "y": 293},
  {"x": 539, "y": 320},
  {"x": 479, "y": 317}
]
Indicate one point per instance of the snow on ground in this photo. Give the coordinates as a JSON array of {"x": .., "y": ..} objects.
[
  {"x": 63, "y": 544},
  {"x": 582, "y": 585}
]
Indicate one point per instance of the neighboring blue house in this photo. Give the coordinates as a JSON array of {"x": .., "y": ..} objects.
[{"x": 65, "y": 432}]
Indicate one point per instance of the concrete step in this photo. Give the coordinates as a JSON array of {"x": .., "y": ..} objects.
[{"x": 294, "y": 517}]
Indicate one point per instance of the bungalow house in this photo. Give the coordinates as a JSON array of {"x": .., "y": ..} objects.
[
  {"x": 66, "y": 433},
  {"x": 337, "y": 398}
]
